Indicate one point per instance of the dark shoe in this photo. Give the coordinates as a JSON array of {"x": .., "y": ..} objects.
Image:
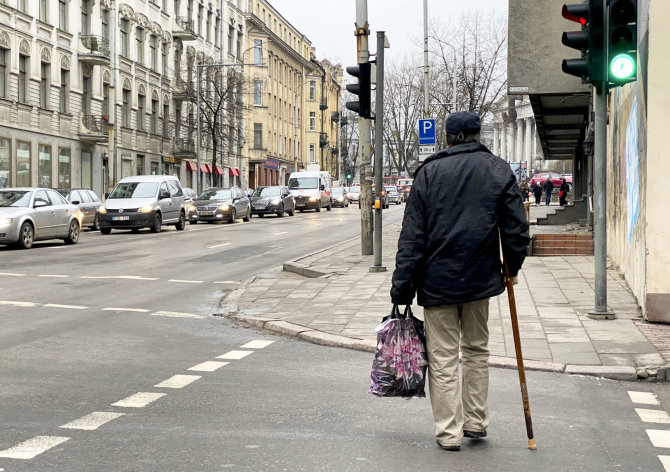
[
  {"x": 474, "y": 434},
  {"x": 449, "y": 448}
]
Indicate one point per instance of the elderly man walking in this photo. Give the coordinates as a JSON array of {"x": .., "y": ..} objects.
[{"x": 449, "y": 256}]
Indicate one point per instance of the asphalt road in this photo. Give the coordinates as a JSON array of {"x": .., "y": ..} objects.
[{"x": 110, "y": 360}]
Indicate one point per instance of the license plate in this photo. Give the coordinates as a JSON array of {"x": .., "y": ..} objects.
[
  {"x": 206, "y": 213},
  {"x": 300, "y": 205},
  {"x": 120, "y": 218}
]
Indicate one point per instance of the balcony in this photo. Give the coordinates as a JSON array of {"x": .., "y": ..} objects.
[
  {"x": 183, "y": 148},
  {"x": 93, "y": 128},
  {"x": 335, "y": 116},
  {"x": 323, "y": 105},
  {"x": 184, "y": 29},
  {"x": 94, "y": 50},
  {"x": 323, "y": 140},
  {"x": 184, "y": 90}
]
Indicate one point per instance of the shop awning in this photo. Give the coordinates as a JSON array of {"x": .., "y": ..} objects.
[
  {"x": 205, "y": 168},
  {"x": 233, "y": 172},
  {"x": 190, "y": 166},
  {"x": 219, "y": 170}
]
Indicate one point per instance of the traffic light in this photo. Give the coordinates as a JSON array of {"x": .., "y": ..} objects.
[
  {"x": 363, "y": 89},
  {"x": 590, "y": 41},
  {"x": 622, "y": 42}
]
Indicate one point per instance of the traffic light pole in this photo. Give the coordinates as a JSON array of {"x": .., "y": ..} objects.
[
  {"x": 364, "y": 135},
  {"x": 379, "y": 153}
]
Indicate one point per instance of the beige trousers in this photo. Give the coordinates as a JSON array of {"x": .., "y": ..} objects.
[{"x": 456, "y": 408}]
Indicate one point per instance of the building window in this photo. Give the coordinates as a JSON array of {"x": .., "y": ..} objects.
[
  {"x": 22, "y": 164},
  {"x": 62, "y": 14},
  {"x": 165, "y": 59},
  {"x": 44, "y": 10},
  {"x": 84, "y": 17},
  {"x": 125, "y": 109},
  {"x": 4, "y": 162},
  {"x": 63, "y": 92},
  {"x": 140, "y": 112},
  {"x": 124, "y": 37},
  {"x": 139, "y": 164},
  {"x": 105, "y": 99},
  {"x": 239, "y": 46},
  {"x": 166, "y": 120},
  {"x": 209, "y": 26},
  {"x": 139, "y": 38},
  {"x": 44, "y": 85},
  {"x": 44, "y": 167},
  {"x": 200, "y": 9},
  {"x": 153, "y": 56},
  {"x": 312, "y": 121},
  {"x": 258, "y": 135},
  {"x": 104, "y": 17},
  {"x": 22, "y": 6},
  {"x": 86, "y": 94},
  {"x": 217, "y": 32},
  {"x": 312, "y": 90},
  {"x": 258, "y": 51},
  {"x": 24, "y": 62},
  {"x": 231, "y": 39},
  {"x": 154, "y": 116},
  {"x": 64, "y": 170},
  {"x": 258, "y": 93},
  {"x": 312, "y": 153},
  {"x": 3, "y": 73}
]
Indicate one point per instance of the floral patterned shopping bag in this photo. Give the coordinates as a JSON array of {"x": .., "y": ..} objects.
[{"x": 399, "y": 367}]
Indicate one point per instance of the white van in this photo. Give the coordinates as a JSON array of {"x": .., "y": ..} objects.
[{"x": 311, "y": 190}]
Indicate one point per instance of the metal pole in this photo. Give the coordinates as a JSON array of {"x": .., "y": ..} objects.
[
  {"x": 426, "y": 73},
  {"x": 364, "y": 135},
  {"x": 453, "y": 85},
  {"x": 600, "y": 208},
  {"x": 197, "y": 137},
  {"x": 112, "y": 91},
  {"x": 379, "y": 148}
]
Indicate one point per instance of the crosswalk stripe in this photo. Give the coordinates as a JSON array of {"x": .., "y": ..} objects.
[
  {"x": 209, "y": 366},
  {"x": 178, "y": 381},
  {"x": 257, "y": 344},
  {"x": 653, "y": 416},
  {"x": 646, "y": 398},
  {"x": 659, "y": 437},
  {"x": 665, "y": 461},
  {"x": 234, "y": 355},
  {"x": 139, "y": 400},
  {"x": 32, "y": 447},
  {"x": 92, "y": 421}
]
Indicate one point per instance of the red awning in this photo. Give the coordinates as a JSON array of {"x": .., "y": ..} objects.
[
  {"x": 205, "y": 168},
  {"x": 233, "y": 172},
  {"x": 190, "y": 166},
  {"x": 219, "y": 170}
]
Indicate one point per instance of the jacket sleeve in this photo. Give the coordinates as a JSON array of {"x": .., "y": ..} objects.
[
  {"x": 411, "y": 245},
  {"x": 513, "y": 227}
]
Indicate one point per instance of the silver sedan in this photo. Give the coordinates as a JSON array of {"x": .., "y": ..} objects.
[{"x": 31, "y": 214}]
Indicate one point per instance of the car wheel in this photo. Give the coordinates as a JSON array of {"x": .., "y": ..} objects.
[
  {"x": 158, "y": 221},
  {"x": 280, "y": 213},
  {"x": 96, "y": 224},
  {"x": 329, "y": 207},
  {"x": 105, "y": 230},
  {"x": 261, "y": 215},
  {"x": 233, "y": 216},
  {"x": 302, "y": 211},
  {"x": 73, "y": 235},
  {"x": 193, "y": 222},
  {"x": 247, "y": 217},
  {"x": 318, "y": 208},
  {"x": 291, "y": 212},
  {"x": 181, "y": 224},
  {"x": 26, "y": 236}
]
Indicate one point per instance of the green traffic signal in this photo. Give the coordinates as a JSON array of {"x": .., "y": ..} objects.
[{"x": 622, "y": 67}]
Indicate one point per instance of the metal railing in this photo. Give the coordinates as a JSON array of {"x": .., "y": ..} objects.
[
  {"x": 186, "y": 24},
  {"x": 95, "y": 44},
  {"x": 96, "y": 124},
  {"x": 184, "y": 145}
]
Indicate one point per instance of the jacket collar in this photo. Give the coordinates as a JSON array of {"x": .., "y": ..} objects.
[{"x": 453, "y": 151}]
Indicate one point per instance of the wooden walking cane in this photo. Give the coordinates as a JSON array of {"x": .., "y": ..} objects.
[{"x": 519, "y": 358}]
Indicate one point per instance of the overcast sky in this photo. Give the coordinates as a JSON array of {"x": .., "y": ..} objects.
[{"x": 329, "y": 24}]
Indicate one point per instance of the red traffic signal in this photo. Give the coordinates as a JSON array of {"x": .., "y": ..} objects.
[{"x": 579, "y": 13}]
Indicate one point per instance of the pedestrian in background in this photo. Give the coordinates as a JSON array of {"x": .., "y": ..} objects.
[
  {"x": 525, "y": 194},
  {"x": 449, "y": 257},
  {"x": 537, "y": 192},
  {"x": 563, "y": 193},
  {"x": 548, "y": 188}
]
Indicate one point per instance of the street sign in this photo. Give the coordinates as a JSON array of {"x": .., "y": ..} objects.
[
  {"x": 425, "y": 151},
  {"x": 426, "y": 132}
]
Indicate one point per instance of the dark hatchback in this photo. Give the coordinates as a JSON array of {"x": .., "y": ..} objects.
[
  {"x": 87, "y": 201},
  {"x": 219, "y": 204},
  {"x": 272, "y": 201}
]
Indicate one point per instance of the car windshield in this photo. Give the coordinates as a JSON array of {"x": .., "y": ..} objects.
[
  {"x": 134, "y": 190},
  {"x": 215, "y": 194},
  {"x": 355, "y": 190},
  {"x": 266, "y": 192},
  {"x": 14, "y": 198},
  {"x": 338, "y": 192},
  {"x": 303, "y": 183},
  {"x": 390, "y": 189}
]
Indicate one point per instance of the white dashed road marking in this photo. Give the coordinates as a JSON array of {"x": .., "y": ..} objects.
[
  {"x": 653, "y": 416},
  {"x": 11, "y": 274},
  {"x": 54, "y": 276},
  {"x": 646, "y": 398},
  {"x": 209, "y": 366},
  {"x": 92, "y": 421},
  {"x": 235, "y": 355},
  {"x": 139, "y": 400},
  {"x": 659, "y": 437},
  {"x": 185, "y": 281},
  {"x": 178, "y": 381},
  {"x": 257, "y": 344},
  {"x": 135, "y": 310},
  {"x": 69, "y": 307},
  {"x": 283, "y": 232},
  {"x": 32, "y": 447},
  {"x": 665, "y": 461},
  {"x": 15, "y": 303},
  {"x": 120, "y": 277},
  {"x": 218, "y": 245},
  {"x": 174, "y": 314},
  {"x": 227, "y": 282}
]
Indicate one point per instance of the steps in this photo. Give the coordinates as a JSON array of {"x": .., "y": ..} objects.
[
  {"x": 563, "y": 244},
  {"x": 564, "y": 215}
]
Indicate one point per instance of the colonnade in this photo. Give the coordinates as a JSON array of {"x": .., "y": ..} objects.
[{"x": 516, "y": 142}]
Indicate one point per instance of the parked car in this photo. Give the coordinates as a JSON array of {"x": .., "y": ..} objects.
[
  {"x": 354, "y": 193},
  {"x": 87, "y": 201},
  {"x": 393, "y": 194},
  {"x": 219, "y": 204},
  {"x": 189, "y": 195},
  {"x": 311, "y": 190},
  {"x": 272, "y": 200},
  {"x": 339, "y": 197},
  {"x": 143, "y": 201},
  {"x": 33, "y": 214}
]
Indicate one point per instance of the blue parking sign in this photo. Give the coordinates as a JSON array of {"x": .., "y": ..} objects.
[{"x": 426, "y": 132}]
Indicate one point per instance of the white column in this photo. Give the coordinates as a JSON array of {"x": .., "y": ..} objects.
[
  {"x": 518, "y": 148},
  {"x": 528, "y": 140},
  {"x": 496, "y": 140},
  {"x": 503, "y": 142}
]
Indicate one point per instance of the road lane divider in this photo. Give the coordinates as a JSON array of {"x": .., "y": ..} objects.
[
  {"x": 12, "y": 274},
  {"x": 54, "y": 276},
  {"x": 236, "y": 282},
  {"x": 235, "y": 355},
  {"x": 179, "y": 281},
  {"x": 132, "y": 310},
  {"x": 119, "y": 277},
  {"x": 33, "y": 447},
  {"x": 18, "y": 304},
  {"x": 256, "y": 344},
  {"x": 283, "y": 232},
  {"x": 67, "y": 307},
  {"x": 208, "y": 366},
  {"x": 175, "y": 314},
  {"x": 92, "y": 421},
  {"x": 139, "y": 400},
  {"x": 178, "y": 381},
  {"x": 218, "y": 245}
]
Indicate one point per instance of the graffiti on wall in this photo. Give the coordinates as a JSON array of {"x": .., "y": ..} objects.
[{"x": 632, "y": 173}]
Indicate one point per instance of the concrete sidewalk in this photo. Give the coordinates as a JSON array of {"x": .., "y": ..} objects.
[{"x": 332, "y": 298}]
